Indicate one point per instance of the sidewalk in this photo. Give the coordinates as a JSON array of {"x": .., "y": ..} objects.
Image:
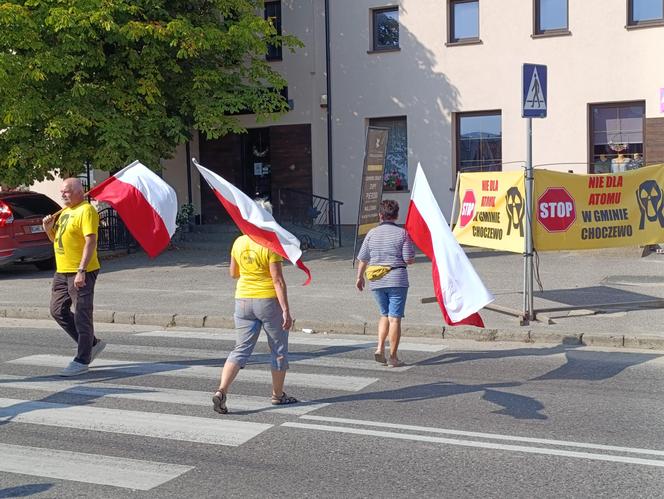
[{"x": 190, "y": 287}]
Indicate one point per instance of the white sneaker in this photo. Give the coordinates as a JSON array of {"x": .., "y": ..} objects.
[
  {"x": 74, "y": 369},
  {"x": 97, "y": 349}
]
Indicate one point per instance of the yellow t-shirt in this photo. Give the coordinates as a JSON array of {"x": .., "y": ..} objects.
[
  {"x": 254, "y": 262},
  {"x": 72, "y": 226}
]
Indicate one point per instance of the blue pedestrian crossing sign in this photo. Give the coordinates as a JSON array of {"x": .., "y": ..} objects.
[{"x": 534, "y": 91}]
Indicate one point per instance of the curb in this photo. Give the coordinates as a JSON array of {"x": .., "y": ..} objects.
[{"x": 361, "y": 328}]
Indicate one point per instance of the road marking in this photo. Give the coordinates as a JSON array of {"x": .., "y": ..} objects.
[
  {"x": 492, "y": 436},
  {"x": 217, "y": 431},
  {"x": 344, "y": 363},
  {"x": 480, "y": 445},
  {"x": 257, "y": 358},
  {"x": 295, "y": 340},
  {"x": 153, "y": 394},
  {"x": 87, "y": 468},
  {"x": 109, "y": 367}
]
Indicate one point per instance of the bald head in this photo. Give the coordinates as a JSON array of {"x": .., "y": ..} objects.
[{"x": 72, "y": 191}]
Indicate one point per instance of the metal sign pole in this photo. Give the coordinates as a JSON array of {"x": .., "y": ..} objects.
[
  {"x": 533, "y": 105},
  {"x": 528, "y": 262}
]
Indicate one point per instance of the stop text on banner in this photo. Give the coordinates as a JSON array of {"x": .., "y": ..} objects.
[{"x": 575, "y": 211}]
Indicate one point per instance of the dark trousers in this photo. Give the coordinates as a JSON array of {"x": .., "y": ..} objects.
[{"x": 78, "y": 325}]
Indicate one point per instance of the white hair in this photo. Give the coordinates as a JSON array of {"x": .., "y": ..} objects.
[
  {"x": 265, "y": 204},
  {"x": 75, "y": 184}
]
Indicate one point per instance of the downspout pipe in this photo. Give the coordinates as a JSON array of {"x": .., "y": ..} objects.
[{"x": 328, "y": 84}]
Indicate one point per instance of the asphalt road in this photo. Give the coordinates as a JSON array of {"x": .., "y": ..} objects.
[{"x": 463, "y": 419}]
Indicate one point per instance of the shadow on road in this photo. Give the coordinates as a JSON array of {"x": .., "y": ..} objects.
[
  {"x": 595, "y": 295},
  {"x": 26, "y": 490},
  {"x": 516, "y": 406},
  {"x": 578, "y": 365}
]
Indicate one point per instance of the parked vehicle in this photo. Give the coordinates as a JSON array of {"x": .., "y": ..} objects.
[{"x": 22, "y": 237}]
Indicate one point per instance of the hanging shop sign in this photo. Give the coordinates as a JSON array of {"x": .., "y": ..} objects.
[{"x": 372, "y": 179}]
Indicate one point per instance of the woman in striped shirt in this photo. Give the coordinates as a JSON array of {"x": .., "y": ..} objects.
[{"x": 390, "y": 246}]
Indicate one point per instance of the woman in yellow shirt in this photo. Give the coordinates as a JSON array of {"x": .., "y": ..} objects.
[{"x": 261, "y": 301}]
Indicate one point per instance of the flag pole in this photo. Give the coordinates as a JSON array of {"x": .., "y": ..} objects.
[{"x": 455, "y": 200}]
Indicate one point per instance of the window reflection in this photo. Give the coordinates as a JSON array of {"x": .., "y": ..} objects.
[
  {"x": 395, "y": 177},
  {"x": 646, "y": 10},
  {"x": 616, "y": 137},
  {"x": 551, "y": 15},
  {"x": 465, "y": 20},
  {"x": 479, "y": 142},
  {"x": 386, "y": 29},
  {"x": 273, "y": 14}
]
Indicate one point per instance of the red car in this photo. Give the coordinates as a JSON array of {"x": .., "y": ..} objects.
[{"x": 22, "y": 237}]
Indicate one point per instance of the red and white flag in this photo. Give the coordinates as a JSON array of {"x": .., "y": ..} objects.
[
  {"x": 146, "y": 204},
  {"x": 254, "y": 220},
  {"x": 459, "y": 290}
]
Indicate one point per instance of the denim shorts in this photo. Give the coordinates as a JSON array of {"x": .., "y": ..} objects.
[
  {"x": 252, "y": 315},
  {"x": 391, "y": 301}
]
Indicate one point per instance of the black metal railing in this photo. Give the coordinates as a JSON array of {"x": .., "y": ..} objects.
[
  {"x": 317, "y": 221},
  {"x": 113, "y": 234}
]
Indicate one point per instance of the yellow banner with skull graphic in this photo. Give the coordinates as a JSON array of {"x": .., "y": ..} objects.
[
  {"x": 492, "y": 208},
  {"x": 574, "y": 211},
  {"x": 570, "y": 211}
]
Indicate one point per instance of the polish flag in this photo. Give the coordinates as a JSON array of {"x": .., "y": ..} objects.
[
  {"x": 459, "y": 290},
  {"x": 146, "y": 204},
  {"x": 255, "y": 221}
]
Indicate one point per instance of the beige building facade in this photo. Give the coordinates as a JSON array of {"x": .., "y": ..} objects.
[
  {"x": 445, "y": 76},
  {"x": 599, "y": 66}
]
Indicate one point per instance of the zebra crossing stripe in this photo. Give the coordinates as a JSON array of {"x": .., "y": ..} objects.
[
  {"x": 217, "y": 431},
  {"x": 294, "y": 339},
  {"x": 478, "y": 444},
  {"x": 107, "y": 366},
  {"x": 489, "y": 436},
  {"x": 87, "y": 468},
  {"x": 152, "y": 394},
  {"x": 257, "y": 358}
]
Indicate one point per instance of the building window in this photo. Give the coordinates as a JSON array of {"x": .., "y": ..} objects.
[
  {"x": 616, "y": 137},
  {"x": 273, "y": 14},
  {"x": 551, "y": 16},
  {"x": 479, "y": 141},
  {"x": 464, "y": 20},
  {"x": 395, "y": 177},
  {"x": 644, "y": 12},
  {"x": 385, "y": 28}
]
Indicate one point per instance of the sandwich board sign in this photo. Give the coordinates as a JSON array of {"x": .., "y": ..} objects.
[{"x": 534, "y": 91}]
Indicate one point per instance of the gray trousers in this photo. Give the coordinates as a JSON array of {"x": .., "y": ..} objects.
[
  {"x": 78, "y": 325},
  {"x": 252, "y": 314}
]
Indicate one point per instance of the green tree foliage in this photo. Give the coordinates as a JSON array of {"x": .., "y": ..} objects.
[{"x": 110, "y": 81}]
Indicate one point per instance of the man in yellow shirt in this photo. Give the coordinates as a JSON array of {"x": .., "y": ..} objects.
[
  {"x": 74, "y": 237},
  {"x": 261, "y": 301}
]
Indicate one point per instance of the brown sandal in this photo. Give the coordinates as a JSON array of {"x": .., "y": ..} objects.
[
  {"x": 219, "y": 401},
  {"x": 283, "y": 400}
]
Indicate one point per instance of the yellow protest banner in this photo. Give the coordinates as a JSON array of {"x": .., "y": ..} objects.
[
  {"x": 574, "y": 211},
  {"x": 493, "y": 208}
]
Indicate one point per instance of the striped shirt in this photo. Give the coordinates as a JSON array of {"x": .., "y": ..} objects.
[{"x": 388, "y": 245}]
